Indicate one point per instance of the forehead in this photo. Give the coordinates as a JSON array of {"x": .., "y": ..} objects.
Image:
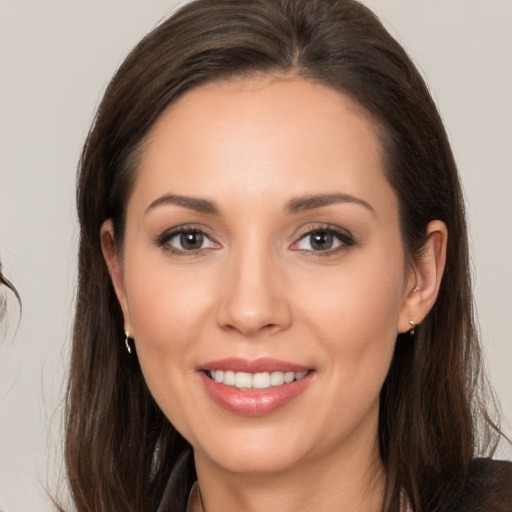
[{"x": 261, "y": 136}]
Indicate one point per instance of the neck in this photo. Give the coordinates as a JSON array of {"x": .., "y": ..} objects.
[{"x": 349, "y": 481}]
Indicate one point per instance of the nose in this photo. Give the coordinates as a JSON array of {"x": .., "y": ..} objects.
[{"x": 254, "y": 294}]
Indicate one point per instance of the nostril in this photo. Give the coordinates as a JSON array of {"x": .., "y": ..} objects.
[
  {"x": 248, "y": 331},
  {"x": 271, "y": 327}
]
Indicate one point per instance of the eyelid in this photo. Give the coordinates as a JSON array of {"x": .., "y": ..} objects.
[
  {"x": 168, "y": 234},
  {"x": 344, "y": 236}
]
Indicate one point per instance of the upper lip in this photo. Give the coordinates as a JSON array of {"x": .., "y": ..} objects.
[{"x": 263, "y": 364}]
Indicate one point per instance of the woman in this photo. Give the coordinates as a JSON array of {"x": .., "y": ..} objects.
[{"x": 274, "y": 293}]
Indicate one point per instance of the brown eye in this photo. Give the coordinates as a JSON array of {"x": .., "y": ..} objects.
[
  {"x": 186, "y": 240},
  {"x": 321, "y": 240},
  {"x": 191, "y": 240},
  {"x": 324, "y": 240}
]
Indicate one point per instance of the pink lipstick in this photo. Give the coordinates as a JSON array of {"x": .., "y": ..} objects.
[{"x": 254, "y": 387}]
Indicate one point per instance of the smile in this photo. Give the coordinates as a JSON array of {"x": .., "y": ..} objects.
[
  {"x": 257, "y": 387},
  {"x": 260, "y": 380}
]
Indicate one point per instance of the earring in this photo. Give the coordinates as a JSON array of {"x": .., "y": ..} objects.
[
  {"x": 127, "y": 342},
  {"x": 412, "y": 324}
]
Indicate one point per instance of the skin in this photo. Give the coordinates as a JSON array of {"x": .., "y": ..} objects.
[{"x": 258, "y": 288}]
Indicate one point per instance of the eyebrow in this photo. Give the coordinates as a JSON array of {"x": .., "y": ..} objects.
[
  {"x": 191, "y": 203},
  {"x": 311, "y": 202},
  {"x": 295, "y": 205}
]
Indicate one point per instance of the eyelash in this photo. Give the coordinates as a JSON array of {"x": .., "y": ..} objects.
[
  {"x": 344, "y": 237},
  {"x": 164, "y": 239}
]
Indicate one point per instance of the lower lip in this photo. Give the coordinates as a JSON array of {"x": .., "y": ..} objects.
[{"x": 254, "y": 402}]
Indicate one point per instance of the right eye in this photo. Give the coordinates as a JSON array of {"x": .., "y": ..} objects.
[{"x": 186, "y": 241}]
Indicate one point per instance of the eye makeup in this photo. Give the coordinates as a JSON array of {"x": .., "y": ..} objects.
[
  {"x": 186, "y": 240},
  {"x": 324, "y": 240},
  {"x": 317, "y": 240}
]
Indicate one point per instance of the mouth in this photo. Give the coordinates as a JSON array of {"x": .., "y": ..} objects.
[
  {"x": 254, "y": 388},
  {"x": 251, "y": 381}
]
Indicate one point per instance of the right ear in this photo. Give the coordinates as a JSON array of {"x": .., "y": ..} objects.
[{"x": 115, "y": 269}]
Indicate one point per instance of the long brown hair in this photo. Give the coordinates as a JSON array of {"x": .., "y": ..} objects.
[{"x": 121, "y": 452}]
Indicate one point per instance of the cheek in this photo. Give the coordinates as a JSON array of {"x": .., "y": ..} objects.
[
  {"x": 354, "y": 325},
  {"x": 167, "y": 312},
  {"x": 363, "y": 295},
  {"x": 354, "y": 313},
  {"x": 163, "y": 300},
  {"x": 167, "y": 315}
]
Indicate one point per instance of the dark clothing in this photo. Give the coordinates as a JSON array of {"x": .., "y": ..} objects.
[{"x": 488, "y": 488}]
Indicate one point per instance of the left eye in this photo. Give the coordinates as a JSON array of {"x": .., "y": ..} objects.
[
  {"x": 190, "y": 240},
  {"x": 320, "y": 240}
]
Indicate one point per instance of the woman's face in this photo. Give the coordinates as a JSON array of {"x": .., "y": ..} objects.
[{"x": 262, "y": 246}]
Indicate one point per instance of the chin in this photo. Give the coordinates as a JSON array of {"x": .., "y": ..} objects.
[
  {"x": 254, "y": 453},
  {"x": 261, "y": 463}
]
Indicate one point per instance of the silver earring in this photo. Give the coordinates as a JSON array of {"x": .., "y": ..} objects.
[
  {"x": 413, "y": 325},
  {"x": 127, "y": 342}
]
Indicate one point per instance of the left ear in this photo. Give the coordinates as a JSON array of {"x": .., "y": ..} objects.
[{"x": 425, "y": 277}]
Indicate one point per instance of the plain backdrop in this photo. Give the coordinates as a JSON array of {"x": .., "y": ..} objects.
[{"x": 56, "y": 56}]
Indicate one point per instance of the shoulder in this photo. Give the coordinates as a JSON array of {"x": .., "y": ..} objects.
[{"x": 488, "y": 487}]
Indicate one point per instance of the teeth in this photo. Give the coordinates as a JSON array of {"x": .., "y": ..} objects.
[
  {"x": 264, "y": 380},
  {"x": 229, "y": 378},
  {"x": 243, "y": 380},
  {"x": 288, "y": 377},
  {"x": 261, "y": 380},
  {"x": 276, "y": 378}
]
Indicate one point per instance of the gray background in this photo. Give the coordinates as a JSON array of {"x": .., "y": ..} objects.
[{"x": 56, "y": 57}]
